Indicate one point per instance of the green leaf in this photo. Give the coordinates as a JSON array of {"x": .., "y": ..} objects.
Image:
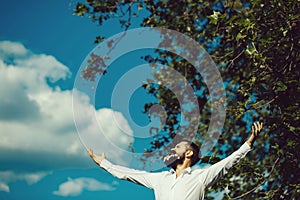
[
  {"x": 251, "y": 49},
  {"x": 280, "y": 86},
  {"x": 214, "y": 17},
  {"x": 240, "y": 36},
  {"x": 259, "y": 40}
]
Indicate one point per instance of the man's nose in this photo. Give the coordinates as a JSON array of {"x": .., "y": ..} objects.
[{"x": 173, "y": 150}]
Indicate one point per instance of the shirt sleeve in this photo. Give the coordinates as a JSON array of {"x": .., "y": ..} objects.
[
  {"x": 144, "y": 178},
  {"x": 216, "y": 171}
]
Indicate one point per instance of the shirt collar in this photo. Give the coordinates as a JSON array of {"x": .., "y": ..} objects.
[{"x": 185, "y": 171}]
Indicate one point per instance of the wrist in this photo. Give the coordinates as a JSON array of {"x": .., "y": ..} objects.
[{"x": 250, "y": 143}]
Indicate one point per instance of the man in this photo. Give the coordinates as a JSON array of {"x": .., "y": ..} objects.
[{"x": 181, "y": 182}]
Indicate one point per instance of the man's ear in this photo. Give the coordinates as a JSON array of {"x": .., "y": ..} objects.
[{"x": 189, "y": 153}]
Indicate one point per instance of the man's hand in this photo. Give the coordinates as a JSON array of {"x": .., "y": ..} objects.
[
  {"x": 96, "y": 159},
  {"x": 256, "y": 128}
]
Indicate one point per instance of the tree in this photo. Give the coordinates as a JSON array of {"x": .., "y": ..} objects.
[{"x": 256, "y": 47}]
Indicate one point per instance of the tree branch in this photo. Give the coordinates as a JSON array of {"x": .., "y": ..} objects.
[{"x": 253, "y": 189}]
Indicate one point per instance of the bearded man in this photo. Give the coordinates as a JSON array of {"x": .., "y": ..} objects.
[{"x": 181, "y": 182}]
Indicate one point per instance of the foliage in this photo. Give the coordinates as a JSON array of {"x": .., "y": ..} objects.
[{"x": 255, "y": 44}]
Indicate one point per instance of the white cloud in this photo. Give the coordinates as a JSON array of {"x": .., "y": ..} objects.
[
  {"x": 12, "y": 48},
  {"x": 4, "y": 187},
  {"x": 74, "y": 187},
  {"x": 36, "y": 120},
  {"x": 103, "y": 130},
  {"x": 7, "y": 177},
  {"x": 34, "y": 115}
]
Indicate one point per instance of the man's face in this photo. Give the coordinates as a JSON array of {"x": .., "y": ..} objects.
[
  {"x": 180, "y": 148},
  {"x": 177, "y": 155}
]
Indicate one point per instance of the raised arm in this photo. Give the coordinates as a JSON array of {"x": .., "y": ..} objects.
[{"x": 216, "y": 171}]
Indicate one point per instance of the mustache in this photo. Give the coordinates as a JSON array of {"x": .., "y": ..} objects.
[{"x": 170, "y": 157}]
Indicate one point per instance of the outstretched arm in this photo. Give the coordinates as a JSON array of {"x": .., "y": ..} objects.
[
  {"x": 139, "y": 177},
  {"x": 216, "y": 171}
]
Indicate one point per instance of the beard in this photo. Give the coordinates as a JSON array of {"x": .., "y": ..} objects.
[{"x": 173, "y": 159}]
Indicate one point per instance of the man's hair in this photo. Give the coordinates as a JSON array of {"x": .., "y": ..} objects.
[{"x": 196, "y": 151}]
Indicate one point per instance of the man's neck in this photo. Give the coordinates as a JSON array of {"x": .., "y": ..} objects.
[{"x": 181, "y": 167}]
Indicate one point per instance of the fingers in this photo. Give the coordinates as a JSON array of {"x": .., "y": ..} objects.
[
  {"x": 96, "y": 158},
  {"x": 260, "y": 126},
  {"x": 256, "y": 127},
  {"x": 102, "y": 156},
  {"x": 90, "y": 152}
]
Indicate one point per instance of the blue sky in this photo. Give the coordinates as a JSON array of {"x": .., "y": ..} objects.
[{"x": 42, "y": 45}]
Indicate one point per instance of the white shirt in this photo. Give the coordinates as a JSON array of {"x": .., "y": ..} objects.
[{"x": 190, "y": 185}]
